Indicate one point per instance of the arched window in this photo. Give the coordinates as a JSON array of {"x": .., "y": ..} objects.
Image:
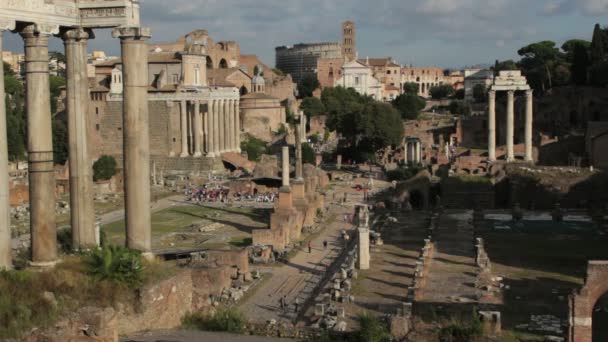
[
  {"x": 331, "y": 72},
  {"x": 243, "y": 91},
  {"x": 209, "y": 63},
  {"x": 223, "y": 64}
]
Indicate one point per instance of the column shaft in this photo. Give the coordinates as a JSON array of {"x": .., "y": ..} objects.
[
  {"x": 226, "y": 123},
  {"x": 198, "y": 127},
  {"x": 136, "y": 136},
  {"x": 81, "y": 178},
  {"x": 206, "y": 130},
  {"x": 40, "y": 147},
  {"x": 184, "y": 128},
  {"x": 211, "y": 129},
  {"x": 529, "y": 118},
  {"x": 299, "y": 171},
  {"x": 285, "y": 165},
  {"x": 216, "y": 127},
  {"x": 230, "y": 136},
  {"x": 510, "y": 125},
  {"x": 492, "y": 125},
  {"x": 220, "y": 132},
  {"x": 5, "y": 221},
  {"x": 237, "y": 121}
]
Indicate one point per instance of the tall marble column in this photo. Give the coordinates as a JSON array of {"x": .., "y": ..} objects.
[
  {"x": 529, "y": 118},
  {"x": 510, "y": 125},
  {"x": 205, "y": 116},
  {"x": 40, "y": 145},
  {"x": 216, "y": 127},
  {"x": 198, "y": 126},
  {"x": 184, "y": 128},
  {"x": 5, "y": 221},
  {"x": 221, "y": 121},
  {"x": 136, "y": 136},
  {"x": 285, "y": 166},
  {"x": 418, "y": 152},
  {"x": 492, "y": 125},
  {"x": 230, "y": 137},
  {"x": 237, "y": 122},
  {"x": 211, "y": 129},
  {"x": 226, "y": 122},
  {"x": 81, "y": 178}
]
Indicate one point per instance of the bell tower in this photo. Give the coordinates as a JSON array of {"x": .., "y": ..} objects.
[{"x": 349, "y": 43}]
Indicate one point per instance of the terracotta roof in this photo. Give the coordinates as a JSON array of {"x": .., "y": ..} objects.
[{"x": 390, "y": 87}]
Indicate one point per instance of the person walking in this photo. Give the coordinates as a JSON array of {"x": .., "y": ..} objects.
[
  {"x": 309, "y": 246},
  {"x": 282, "y": 303}
]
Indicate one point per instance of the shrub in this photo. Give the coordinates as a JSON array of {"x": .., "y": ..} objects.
[
  {"x": 116, "y": 264},
  {"x": 458, "y": 332},
  {"x": 308, "y": 154},
  {"x": 225, "y": 319},
  {"x": 282, "y": 130},
  {"x": 104, "y": 168},
  {"x": 402, "y": 173},
  {"x": 254, "y": 147},
  {"x": 371, "y": 329}
]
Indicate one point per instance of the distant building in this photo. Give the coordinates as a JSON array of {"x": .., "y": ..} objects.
[
  {"x": 360, "y": 77},
  {"x": 15, "y": 60},
  {"x": 301, "y": 59},
  {"x": 425, "y": 78},
  {"x": 473, "y": 77}
]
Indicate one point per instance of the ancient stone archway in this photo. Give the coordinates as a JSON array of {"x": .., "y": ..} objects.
[
  {"x": 209, "y": 63},
  {"x": 223, "y": 64},
  {"x": 243, "y": 91},
  {"x": 583, "y": 302}
]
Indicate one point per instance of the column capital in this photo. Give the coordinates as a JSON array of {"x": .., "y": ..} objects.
[
  {"x": 77, "y": 34},
  {"x": 132, "y": 32},
  {"x": 7, "y": 25},
  {"x": 530, "y": 92},
  {"x": 38, "y": 30},
  {"x": 510, "y": 92}
]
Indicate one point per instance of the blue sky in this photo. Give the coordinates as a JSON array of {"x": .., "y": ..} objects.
[{"x": 444, "y": 33}]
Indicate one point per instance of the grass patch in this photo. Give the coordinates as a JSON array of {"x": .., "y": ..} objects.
[
  {"x": 371, "y": 329},
  {"x": 241, "y": 241},
  {"x": 462, "y": 331},
  {"x": 225, "y": 319}
]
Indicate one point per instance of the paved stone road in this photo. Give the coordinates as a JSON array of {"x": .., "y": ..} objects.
[
  {"x": 196, "y": 336},
  {"x": 453, "y": 270},
  {"x": 300, "y": 275}
]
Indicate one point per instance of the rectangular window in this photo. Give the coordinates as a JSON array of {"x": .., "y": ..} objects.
[
  {"x": 97, "y": 127},
  {"x": 356, "y": 80}
]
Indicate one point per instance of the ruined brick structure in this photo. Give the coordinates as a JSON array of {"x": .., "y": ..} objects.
[{"x": 582, "y": 302}]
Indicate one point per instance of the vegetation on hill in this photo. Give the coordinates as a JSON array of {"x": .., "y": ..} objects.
[
  {"x": 409, "y": 105},
  {"x": 307, "y": 85},
  {"x": 104, "y": 168},
  {"x": 441, "y": 91},
  {"x": 254, "y": 148}
]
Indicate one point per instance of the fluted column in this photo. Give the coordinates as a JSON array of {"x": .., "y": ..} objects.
[
  {"x": 231, "y": 134},
  {"x": 216, "y": 127},
  {"x": 492, "y": 125},
  {"x": 285, "y": 166},
  {"x": 226, "y": 123},
  {"x": 136, "y": 136},
  {"x": 206, "y": 129},
  {"x": 211, "y": 129},
  {"x": 81, "y": 178},
  {"x": 529, "y": 118},
  {"x": 198, "y": 126},
  {"x": 220, "y": 132},
  {"x": 237, "y": 121},
  {"x": 184, "y": 128},
  {"x": 5, "y": 221},
  {"x": 40, "y": 145},
  {"x": 510, "y": 125}
]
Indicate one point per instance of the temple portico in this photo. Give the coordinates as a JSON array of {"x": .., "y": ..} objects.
[
  {"x": 413, "y": 150},
  {"x": 73, "y": 21},
  {"x": 510, "y": 81}
]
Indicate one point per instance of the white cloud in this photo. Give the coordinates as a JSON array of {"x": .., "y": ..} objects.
[{"x": 586, "y": 7}]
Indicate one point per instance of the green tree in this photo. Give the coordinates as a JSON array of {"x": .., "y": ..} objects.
[
  {"x": 15, "y": 118},
  {"x": 459, "y": 94},
  {"x": 254, "y": 148},
  {"x": 538, "y": 61},
  {"x": 460, "y": 108},
  {"x": 599, "y": 44},
  {"x": 56, "y": 82},
  {"x": 569, "y": 47},
  {"x": 580, "y": 62},
  {"x": 504, "y": 66},
  {"x": 410, "y": 88},
  {"x": 598, "y": 75},
  {"x": 378, "y": 125},
  {"x": 8, "y": 71},
  {"x": 340, "y": 105},
  {"x": 480, "y": 93},
  {"x": 307, "y": 85},
  {"x": 104, "y": 168},
  {"x": 441, "y": 91},
  {"x": 60, "y": 140},
  {"x": 409, "y": 106},
  {"x": 312, "y": 106},
  {"x": 308, "y": 154}
]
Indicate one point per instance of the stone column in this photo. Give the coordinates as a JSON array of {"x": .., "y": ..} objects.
[
  {"x": 198, "y": 126},
  {"x": 226, "y": 125},
  {"x": 81, "y": 178},
  {"x": 237, "y": 123},
  {"x": 299, "y": 171},
  {"x": 492, "y": 125},
  {"x": 418, "y": 152},
  {"x": 5, "y": 221},
  {"x": 510, "y": 125},
  {"x": 285, "y": 166},
  {"x": 40, "y": 145},
  {"x": 184, "y": 128},
  {"x": 211, "y": 129},
  {"x": 363, "y": 255},
  {"x": 230, "y": 119},
  {"x": 529, "y": 118},
  {"x": 206, "y": 130},
  {"x": 136, "y": 136},
  {"x": 219, "y": 128}
]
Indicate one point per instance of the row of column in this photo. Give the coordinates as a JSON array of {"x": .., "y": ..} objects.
[
  {"x": 213, "y": 132},
  {"x": 40, "y": 144},
  {"x": 528, "y": 157},
  {"x": 413, "y": 151}
]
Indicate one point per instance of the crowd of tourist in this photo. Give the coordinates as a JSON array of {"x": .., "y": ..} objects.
[{"x": 209, "y": 194}]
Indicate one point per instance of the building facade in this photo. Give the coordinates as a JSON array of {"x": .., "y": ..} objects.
[
  {"x": 349, "y": 40},
  {"x": 361, "y": 78},
  {"x": 474, "y": 77},
  {"x": 425, "y": 78}
]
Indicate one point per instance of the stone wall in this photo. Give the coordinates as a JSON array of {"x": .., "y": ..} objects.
[{"x": 582, "y": 302}]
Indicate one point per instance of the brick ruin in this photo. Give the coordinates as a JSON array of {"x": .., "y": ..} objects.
[{"x": 582, "y": 302}]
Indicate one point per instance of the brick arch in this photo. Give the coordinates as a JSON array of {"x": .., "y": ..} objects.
[{"x": 582, "y": 302}]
